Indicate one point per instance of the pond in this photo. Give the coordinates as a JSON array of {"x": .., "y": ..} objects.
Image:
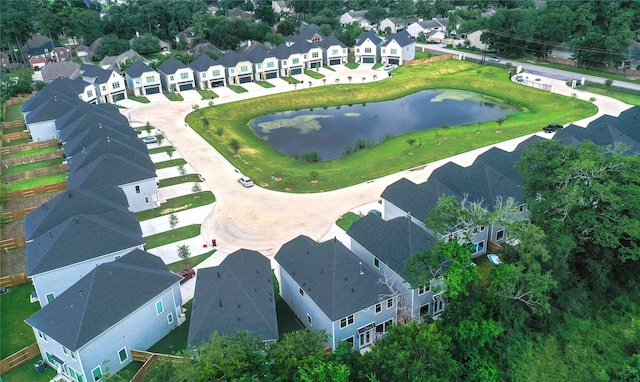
[{"x": 328, "y": 133}]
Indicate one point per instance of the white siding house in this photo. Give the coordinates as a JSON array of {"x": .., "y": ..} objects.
[
  {"x": 176, "y": 76},
  {"x": 142, "y": 79}
]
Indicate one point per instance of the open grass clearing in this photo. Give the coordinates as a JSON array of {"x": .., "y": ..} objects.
[
  {"x": 28, "y": 153},
  {"x": 192, "y": 262},
  {"x": 189, "y": 178},
  {"x": 207, "y": 94},
  {"x": 16, "y": 307},
  {"x": 13, "y": 113},
  {"x": 138, "y": 99},
  {"x": 346, "y": 220},
  {"x": 260, "y": 161},
  {"x": 170, "y": 163},
  {"x": 176, "y": 341},
  {"x": 31, "y": 166},
  {"x": 175, "y": 97},
  {"x": 36, "y": 182},
  {"x": 484, "y": 268},
  {"x": 164, "y": 238},
  {"x": 237, "y": 88},
  {"x": 178, "y": 204},
  {"x": 129, "y": 371},
  {"x": 313, "y": 74}
]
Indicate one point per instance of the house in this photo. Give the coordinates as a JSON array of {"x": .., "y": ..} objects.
[
  {"x": 84, "y": 117},
  {"x": 142, "y": 79},
  {"x": 237, "y": 295},
  {"x": 239, "y": 70},
  {"x": 137, "y": 180},
  {"x": 237, "y": 13},
  {"x": 334, "y": 52},
  {"x": 394, "y": 24},
  {"x": 65, "y": 253},
  {"x": 358, "y": 17},
  {"x": 83, "y": 138},
  {"x": 474, "y": 40},
  {"x": 292, "y": 59},
  {"x": 396, "y": 48},
  {"x": 331, "y": 289},
  {"x": 114, "y": 62},
  {"x": 127, "y": 304},
  {"x": 132, "y": 149},
  {"x": 208, "y": 73},
  {"x": 386, "y": 245},
  {"x": 265, "y": 64},
  {"x": 84, "y": 53},
  {"x": 176, "y": 76},
  {"x": 435, "y": 35},
  {"x": 47, "y": 52},
  {"x": 280, "y": 7},
  {"x": 186, "y": 37},
  {"x": 55, "y": 70},
  {"x": 367, "y": 48},
  {"x": 110, "y": 85},
  {"x": 310, "y": 33},
  {"x": 425, "y": 26},
  {"x": 205, "y": 47},
  {"x": 41, "y": 121}
]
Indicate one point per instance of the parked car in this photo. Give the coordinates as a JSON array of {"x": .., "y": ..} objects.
[
  {"x": 494, "y": 59},
  {"x": 519, "y": 78},
  {"x": 245, "y": 181},
  {"x": 186, "y": 274},
  {"x": 149, "y": 140},
  {"x": 552, "y": 128},
  {"x": 389, "y": 67}
]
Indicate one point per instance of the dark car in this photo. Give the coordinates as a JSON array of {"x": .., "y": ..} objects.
[
  {"x": 186, "y": 274},
  {"x": 552, "y": 128}
]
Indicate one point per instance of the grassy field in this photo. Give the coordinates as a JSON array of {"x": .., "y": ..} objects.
[
  {"x": 194, "y": 178},
  {"x": 159, "y": 150},
  {"x": 260, "y": 161},
  {"x": 164, "y": 238},
  {"x": 27, "y": 373},
  {"x": 176, "y": 97},
  {"x": 620, "y": 96},
  {"x": 35, "y": 182},
  {"x": 13, "y": 113},
  {"x": 31, "y": 166},
  {"x": 16, "y": 142},
  {"x": 180, "y": 203},
  {"x": 16, "y": 308},
  {"x": 170, "y": 163}
]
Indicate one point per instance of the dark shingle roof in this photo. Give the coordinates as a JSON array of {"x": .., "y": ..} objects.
[
  {"x": 54, "y": 70},
  {"x": 330, "y": 41},
  {"x": 282, "y": 51},
  {"x": 87, "y": 136},
  {"x": 51, "y": 109},
  {"x": 231, "y": 59},
  {"x": 45, "y": 95},
  {"x": 333, "y": 277},
  {"x": 71, "y": 203},
  {"x": 416, "y": 199},
  {"x": 402, "y": 38},
  {"x": 49, "y": 46},
  {"x": 137, "y": 69},
  {"x": 392, "y": 241},
  {"x": 171, "y": 66},
  {"x": 109, "y": 169},
  {"x": 91, "y": 71},
  {"x": 371, "y": 35},
  {"x": 203, "y": 63},
  {"x": 90, "y": 115},
  {"x": 102, "y": 298},
  {"x": 132, "y": 149},
  {"x": 80, "y": 238},
  {"x": 235, "y": 296},
  {"x": 257, "y": 55}
]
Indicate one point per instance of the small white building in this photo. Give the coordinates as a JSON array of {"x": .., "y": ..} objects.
[{"x": 176, "y": 76}]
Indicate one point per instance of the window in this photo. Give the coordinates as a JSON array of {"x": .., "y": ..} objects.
[
  {"x": 170, "y": 318},
  {"x": 349, "y": 340},
  {"x": 90, "y": 93},
  {"x": 344, "y": 51},
  {"x": 301, "y": 292},
  {"x": 65, "y": 350},
  {"x": 50, "y": 358},
  {"x": 367, "y": 50},
  {"x": 216, "y": 73},
  {"x": 184, "y": 76},
  {"x": 104, "y": 88},
  {"x": 522, "y": 208},
  {"x": 259, "y": 66},
  {"x": 73, "y": 374},
  {"x": 244, "y": 69},
  {"x": 137, "y": 189},
  {"x": 425, "y": 309},
  {"x": 346, "y": 321},
  {"x": 232, "y": 71},
  {"x": 304, "y": 57},
  {"x": 270, "y": 64},
  {"x": 394, "y": 51},
  {"x": 378, "y": 308},
  {"x": 122, "y": 355},
  {"x": 50, "y": 297},
  {"x": 390, "y": 303},
  {"x": 171, "y": 78},
  {"x": 314, "y": 55},
  {"x": 357, "y": 50},
  {"x": 384, "y": 51},
  {"x": 73, "y": 355},
  {"x": 137, "y": 82},
  {"x": 480, "y": 247},
  {"x": 309, "y": 320},
  {"x": 424, "y": 289},
  {"x": 42, "y": 335},
  {"x": 295, "y": 61},
  {"x": 500, "y": 235},
  {"x": 115, "y": 85},
  {"x": 334, "y": 52},
  {"x": 387, "y": 325},
  {"x": 481, "y": 228},
  {"x": 438, "y": 305},
  {"x": 159, "y": 307},
  {"x": 97, "y": 373},
  {"x": 376, "y": 262},
  {"x": 203, "y": 75},
  {"x": 150, "y": 79},
  {"x": 146, "y": 199}
]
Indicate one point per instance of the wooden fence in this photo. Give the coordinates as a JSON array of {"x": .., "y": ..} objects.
[
  {"x": 37, "y": 173},
  {"x": 149, "y": 359},
  {"x": 32, "y": 158},
  {"x": 17, "y": 100},
  {"x": 14, "y": 242},
  {"x": 420, "y": 61},
  {"x": 14, "y": 136},
  {"x": 11, "y": 216},
  {"x": 60, "y": 186},
  {"x": 20, "y": 357},
  {"x": 12, "y": 124},
  {"x": 28, "y": 146},
  {"x": 17, "y": 279}
]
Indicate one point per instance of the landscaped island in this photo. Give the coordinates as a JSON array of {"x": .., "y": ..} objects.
[{"x": 257, "y": 159}]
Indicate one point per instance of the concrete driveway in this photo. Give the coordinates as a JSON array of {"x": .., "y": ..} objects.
[
  {"x": 278, "y": 82},
  {"x": 128, "y": 103},
  {"x": 253, "y": 87},
  {"x": 157, "y": 98},
  {"x": 191, "y": 95},
  {"x": 223, "y": 91}
]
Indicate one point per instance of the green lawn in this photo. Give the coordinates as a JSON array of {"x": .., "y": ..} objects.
[
  {"x": 31, "y": 166},
  {"x": 35, "y": 182},
  {"x": 352, "y": 65},
  {"x": 13, "y": 113},
  {"x": 11, "y": 130},
  {"x": 314, "y": 74},
  {"x": 175, "y": 341},
  {"x": 193, "y": 178},
  {"x": 27, "y": 373},
  {"x": 378, "y": 65},
  {"x": 265, "y": 84},
  {"x": 627, "y": 98},
  {"x": 164, "y": 238},
  {"x": 421, "y": 55},
  {"x": 22, "y": 154},
  {"x": 290, "y": 80},
  {"x": 261, "y": 161},
  {"x": 176, "y": 97},
  {"x": 16, "y": 308},
  {"x": 170, "y": 163},
  {"x": 207, "y": 94},
  {"x": 180, "y": 203},
  {"x": 484, "y": 268},
  {"x": 287, "y": 321},
  {"x": 138, "y": 99},
  {"x": 237, "y": 89},
  {"x": 193, "y": 261},
  {"x": 129, "y": 371},
  {"x": 159, "y": 150},
  {"x": 16, "y": 142},
  {"x": 346, "y": 220}
]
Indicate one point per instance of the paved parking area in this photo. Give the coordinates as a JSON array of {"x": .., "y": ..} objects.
[{"x": 191, "y": 95}]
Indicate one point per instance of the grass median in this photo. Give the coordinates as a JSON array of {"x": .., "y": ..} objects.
[
  {"x": 189, "y": 178},
  {"x": 170, "y": 163},
  {"x": 178, "y": 204},
  {"x": 257, "y": 159},
  {"x": 168, "y": 237}
]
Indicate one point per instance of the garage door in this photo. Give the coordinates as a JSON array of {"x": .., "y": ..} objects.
[
  {"x": 368, "y": 60},
  {"x": 118, "y": 96},
  {"x": 244, "y": 79},
  {"x": 315, "y": 64},
  {"x": 216, "y": 83},
  {"x": 271, "y": 75},
  {"x": 152, "y": 90},
  {"x": 296, "y": 71},
  {"x": 335, "y": 61},
  {"x": 394, "y": 61},
  {"x": 188, "y": 86}
]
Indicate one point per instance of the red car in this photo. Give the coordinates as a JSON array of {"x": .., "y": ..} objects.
[{"x": 186, "y": 274}]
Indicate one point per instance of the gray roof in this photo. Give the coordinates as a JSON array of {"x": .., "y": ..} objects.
[
  {"x": 81, "y": 238},
  {"x": 171, "y": 66},
  {"x": 402, "y": 38},
  {"x": 52, "y": 109},
  {"x": 49, "y": 46},
  {"x": 416, "y": 199},
  {"x": 330, "y": 41},
  {"x": 252, "y": 45},
  {"x": 109, "y": 169},
  {"x": 84, "y": 138},
  {"x": 71, "y": 203},
  {"x": 54, "y": 70},
  {"x": 132, "y": 149},
  {"x": 331, "y": 275},
  {"x": 204, "y": 47},
  {"x": 100, "y": 76},
  {"x": 371, "y": 35},
  {"x": 88, "y": 113},
  {"x": 257, "y": 55},
  {"x": 231, "y": 59},
  {"x": 105, "y": 296},
  {"x": 46, "y": 94},
  {"x": 237, "y": 295},
  {"x": 392, "y": 241},
  {"x": 203, "y": 63},
  {"x": 431, "y": 24},
  {"x": 358, "y": 14},
  {"x": 137, "y": 69},
  {"x": 603, "y": 131}
]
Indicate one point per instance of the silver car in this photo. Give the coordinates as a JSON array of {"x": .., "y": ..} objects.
[{"x": 245, "y": 181}]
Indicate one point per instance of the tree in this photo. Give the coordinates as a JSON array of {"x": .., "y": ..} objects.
[
  {"x": 286, "y": 27},
  {"x": 219, "y": 131},
  {"x": 411, "y": 142},
  {"x": 184, "y": 253},
  {"x": 148, "y": 128},
  {"x": 146, "y": 44},
  {"x": 111, "y": 45},
  {"x": 235, "y": 146},
  {"x": 173, "y": 223},
  {"x": 196, "y": 188},
  {"x": 292, "y": 348},
  {"x": 375, "y": 14},
  {"x": 266, "y": 13},
  {"x": 170, "y": 151},
  {"x": 182, "y": 170}
]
